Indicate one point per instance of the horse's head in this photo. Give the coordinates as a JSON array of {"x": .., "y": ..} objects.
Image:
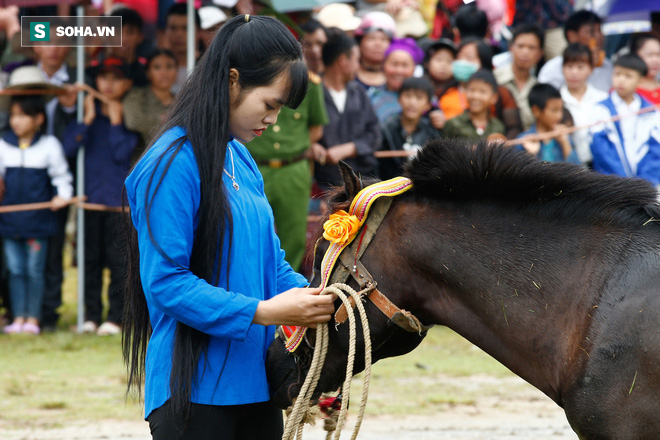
[{"x": 390, "y": 336}]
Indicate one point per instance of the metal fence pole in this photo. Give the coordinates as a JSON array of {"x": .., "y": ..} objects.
[
  {"x": 80, "y": 178},
  {"x": 192, "y": 32}
]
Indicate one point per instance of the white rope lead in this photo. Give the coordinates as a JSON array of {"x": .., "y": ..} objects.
[{"x": 296, "y": 419}]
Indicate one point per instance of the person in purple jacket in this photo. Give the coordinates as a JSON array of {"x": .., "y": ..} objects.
[
  {"x": 207, "y": 276},
  {"x": 108, "y": 149}
]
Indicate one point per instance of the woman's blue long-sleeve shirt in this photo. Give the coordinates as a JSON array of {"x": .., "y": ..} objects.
[{"x": 233, "y": 373}]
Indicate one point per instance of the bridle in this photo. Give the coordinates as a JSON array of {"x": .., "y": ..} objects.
[
  {"x": 341, "y": 260},
  {"x": 349, "y": 264}
]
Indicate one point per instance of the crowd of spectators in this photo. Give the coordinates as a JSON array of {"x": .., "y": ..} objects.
[{"x": 385, "y": 75}]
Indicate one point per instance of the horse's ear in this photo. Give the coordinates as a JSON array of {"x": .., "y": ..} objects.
[{"x": 352, "y": 183}]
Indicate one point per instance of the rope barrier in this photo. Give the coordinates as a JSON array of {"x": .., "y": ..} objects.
[
  {"x": 103, "y": 208},
  {"x": 38, "y": 206},
  {"x": 532, "y": 137},
  {"x": 78, "y": 201},
  {"x": 300, "y": 413},
  {"x": 31, "y": 92}
]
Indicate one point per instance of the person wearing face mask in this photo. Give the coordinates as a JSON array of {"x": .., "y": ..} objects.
[{"x": 474, "y": 54}]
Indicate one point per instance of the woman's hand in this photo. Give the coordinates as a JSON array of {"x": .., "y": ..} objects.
[{"x": 297, "y": 306}]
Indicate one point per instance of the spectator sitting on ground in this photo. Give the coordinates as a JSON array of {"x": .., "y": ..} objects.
[
  {"x": 108, "y": 149},
  {"x": 410, "y": 130},
  {"x": 477, "y": 122},
  {"x": 548, "y": 109},
  {"x": 579, "y": 96},
  {"x": 373, "y": 36},
  {"x": 581, "y": 27},
  {"x": 629, "y": 147}
]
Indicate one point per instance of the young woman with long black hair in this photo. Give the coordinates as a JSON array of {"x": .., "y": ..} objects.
[{"x": 207, "y": 276}]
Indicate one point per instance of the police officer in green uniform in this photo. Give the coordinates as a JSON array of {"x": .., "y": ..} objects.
[{"x": 281, "y": 153}]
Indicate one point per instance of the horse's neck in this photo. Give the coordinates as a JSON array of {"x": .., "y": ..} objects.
[{"x": 516, "y": 289}]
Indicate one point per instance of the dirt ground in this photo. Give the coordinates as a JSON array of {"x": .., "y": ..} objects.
[{"x": 525, "y": 413}]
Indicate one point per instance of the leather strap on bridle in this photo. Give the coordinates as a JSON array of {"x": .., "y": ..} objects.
[{"x": 350, "y": 264}]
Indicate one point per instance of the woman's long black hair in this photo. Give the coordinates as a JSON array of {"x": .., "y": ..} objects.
[{"x": 261, "y": 49}]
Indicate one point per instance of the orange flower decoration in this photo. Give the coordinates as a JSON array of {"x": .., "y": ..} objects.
[{"x": 340, "y": 227}]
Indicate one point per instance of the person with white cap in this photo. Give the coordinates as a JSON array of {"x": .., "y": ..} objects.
[
  {"x": 339, "y": 15},
  {"x": 212, "y": 18},
  {"x": 373, "y": 36}
]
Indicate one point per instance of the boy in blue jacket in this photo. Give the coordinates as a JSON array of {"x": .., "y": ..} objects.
[
  {"x": 629, "y": 147},
  {"x": 108, "y": 148}
]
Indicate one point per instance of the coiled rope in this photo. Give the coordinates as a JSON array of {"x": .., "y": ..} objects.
[{"x": 301, "y": 408}]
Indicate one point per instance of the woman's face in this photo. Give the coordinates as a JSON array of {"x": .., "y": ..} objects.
[
  {"x": 162, "y": 72},
  {"x": 373, "y": 47},
  {"x": 252, "y": 111},
  {"x": 650, "y": 53},
  {"x": 469, "y": 53},
  {"x": 398, "y": 66}
]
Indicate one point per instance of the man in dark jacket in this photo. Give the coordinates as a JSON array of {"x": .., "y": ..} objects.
[{"x": 352, "y": 134}]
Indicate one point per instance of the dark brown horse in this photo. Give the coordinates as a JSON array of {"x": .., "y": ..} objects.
[{"x": 551, "y": 269}]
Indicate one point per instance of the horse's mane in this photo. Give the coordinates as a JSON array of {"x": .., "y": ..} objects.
[{"x": 458, "y": 170}]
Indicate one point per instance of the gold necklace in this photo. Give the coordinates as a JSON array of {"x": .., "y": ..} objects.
[{"x": 232, "y": 175}]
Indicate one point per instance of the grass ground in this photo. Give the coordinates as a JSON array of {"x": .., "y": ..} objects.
[{"x": 55, "y": 379}]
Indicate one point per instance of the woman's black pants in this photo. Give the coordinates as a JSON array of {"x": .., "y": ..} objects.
[{"x": 256, "y": 421}]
